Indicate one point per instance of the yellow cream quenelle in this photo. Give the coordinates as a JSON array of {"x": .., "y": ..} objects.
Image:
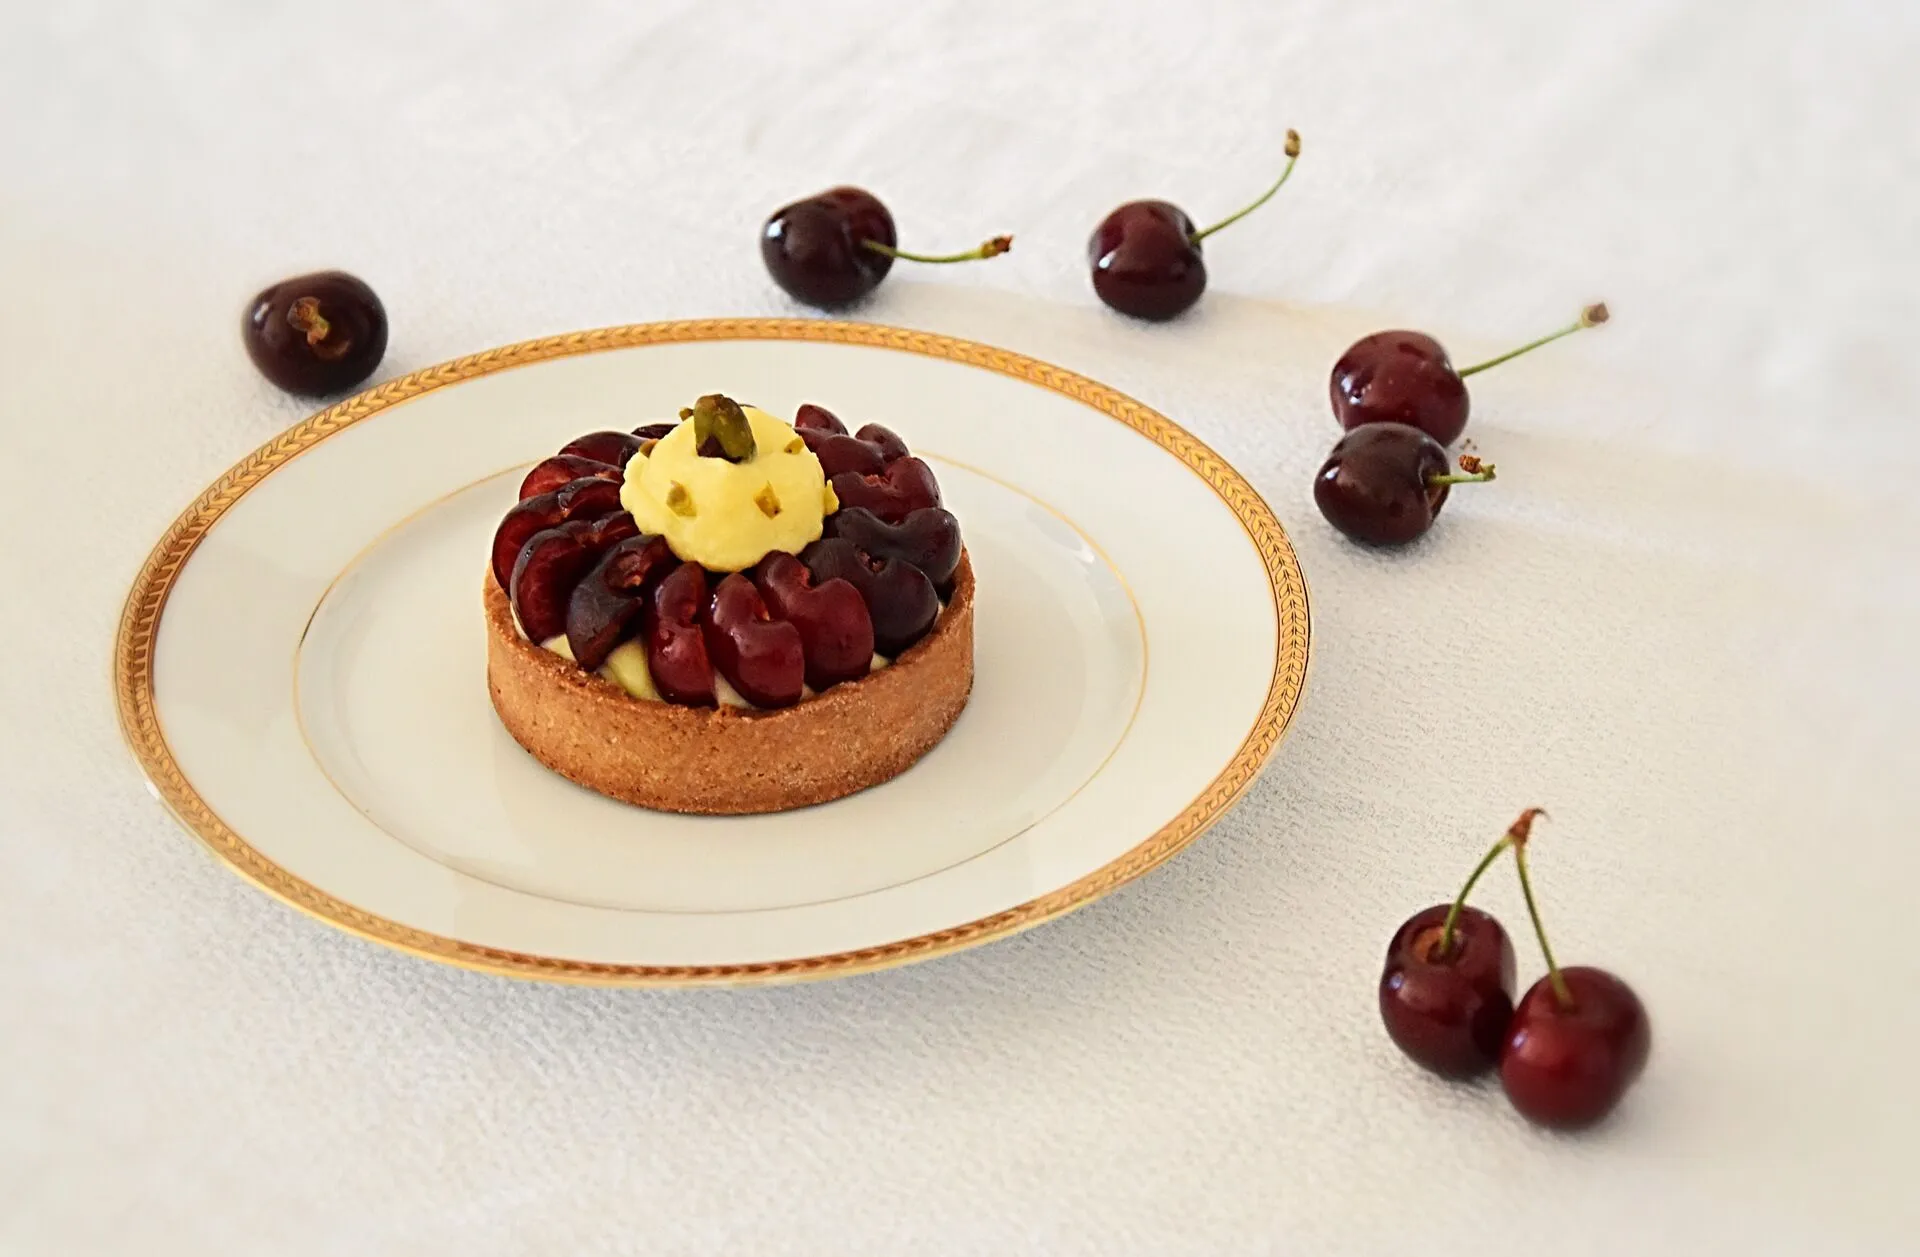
[{"x": 756, "y": 489}]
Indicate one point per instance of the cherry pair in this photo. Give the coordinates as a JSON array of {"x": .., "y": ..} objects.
[
  {"x": 1402, "y": 402},
  {"x": 833, "y": 248},
  {"x": 1566, "y": 1053}
]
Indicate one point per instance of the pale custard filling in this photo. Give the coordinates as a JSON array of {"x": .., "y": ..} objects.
[{"x": 727, "y": 516}]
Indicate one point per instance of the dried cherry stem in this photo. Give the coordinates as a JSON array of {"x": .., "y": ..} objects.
[
  {"x": 1293, "y": 155},
  {"x": 304, "y": 316},
  {"x": 1593, "y": 316},
  {"x": 1518, "y": 835},
  {"x": 991, "y": 249}
]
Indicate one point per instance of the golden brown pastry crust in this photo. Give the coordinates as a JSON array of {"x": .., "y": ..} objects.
[{"x": 726, "y": 761}]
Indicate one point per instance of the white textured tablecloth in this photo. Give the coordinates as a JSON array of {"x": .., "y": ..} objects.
[{"x": 1684, "y": 620}]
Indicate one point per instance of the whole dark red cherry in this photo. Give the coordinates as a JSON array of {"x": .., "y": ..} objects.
[
  {"x": 1446, "y": 993},
  {"x": 1566, "y": 1064},
  {"x": 316, "y": 334},
  {"x": 833, "y": 248},
  {"x": 1406, "y": 377},
  {"x": 1578, "y": 1039},
  {"x": 1447, "y": 1005},
  {"x": 1145, "y": 256},
  {"x": 1385, "y": 483}
]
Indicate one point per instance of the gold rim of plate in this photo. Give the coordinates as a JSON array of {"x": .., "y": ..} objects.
[{"x": 146, "y": 603}]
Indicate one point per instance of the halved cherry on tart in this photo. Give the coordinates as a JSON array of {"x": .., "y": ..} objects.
[
  {"x": 817, "y": 418},
  {"x": 607, "y": 605},
  {"x": 760, "y": 656},
  {"x": 676, "y": 646},
  {"x": 892, "y": 448},
  {"x": 906, "y": 486},
  {"x": 563, "y": 469},
  {"x": 616, "y": 448},
  {"x": 899, "y": 597},
  {"x": 578, "y": 499},
  {"x": 868, "y": 452},
  {"x": 552, "y": 563},
  {"x": 836, "y": 630},
  {"x": 928, "y": 538},
  {"x": 842, "y": 455}
]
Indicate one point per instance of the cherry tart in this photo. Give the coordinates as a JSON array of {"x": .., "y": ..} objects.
[{"x": 627, "y": 667}]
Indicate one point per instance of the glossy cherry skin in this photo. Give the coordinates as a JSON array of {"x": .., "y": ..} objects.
[
  {"x": 676, "y": 646},
  {"x": 1376, "y": 484},
  {"x": 899, "y": 597},
  {"x": 578, "y": 499},
  {"x": 886, "y": 440},
  {"x": 813, "y": 247},
  {"x": 1145, "y": 260},
  {"x": 818, "y": 418},
  {"x": 283, "y": 333},
  {"x": 608, "y": 603},
  {"x": 654, "y": 431},
  {"x": 762, "y": 657},
  {"x": 1567, "y": 1067},
  {"x": 552, "y": 563},
  {"x": 836, "y": 630},
  {"x": 907, "y": 485},
  {"x": 1400, "y": 377},
  {"x": 562, "y": 469},
  {"x": 1449, "y": 1012},
  {"x": 928, "y": 538},
  {"x": 842, "y": 455},
  {"x": 614, "y": 448}
]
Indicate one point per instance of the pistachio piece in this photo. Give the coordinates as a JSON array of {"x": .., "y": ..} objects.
[
  {"x": 721, "y": 429},
  {"x": 768, "y": 501},
  {"x": 679, "y": 501}
]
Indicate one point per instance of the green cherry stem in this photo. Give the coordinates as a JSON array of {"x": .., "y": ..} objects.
[
  {"x": 991, "y": 249},
  {"x": 1472, "y": 471},
  {"x": 1293, "y": 155},
  {"x": 1460, "y": 901},
  {"x": 1518, "y": 835},
  {"x": 1592, "y": 316},
  {"x": 1480, "y": 477}
]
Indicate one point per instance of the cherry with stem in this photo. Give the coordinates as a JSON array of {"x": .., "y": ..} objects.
[
  {"x": 1145, "y": 256},
  {"x": 1579, "y": 1036},
  {"x": 834, "y": 247},
  {"x": 1384, "y": 483},
  {"x": 1446, "y": 992},
  {"x": 1407, "y": 377}
]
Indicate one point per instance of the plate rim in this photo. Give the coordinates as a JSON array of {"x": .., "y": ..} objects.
[{"x": 146, "y": 602}]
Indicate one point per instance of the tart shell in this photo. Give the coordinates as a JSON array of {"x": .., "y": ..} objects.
[{"x": 727, "y": 761}]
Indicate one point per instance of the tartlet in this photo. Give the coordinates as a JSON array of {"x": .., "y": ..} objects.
[{"x": 730, "y": 614}]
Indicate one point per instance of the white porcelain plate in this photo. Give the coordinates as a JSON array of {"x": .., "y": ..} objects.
[{"x": 301, "y": 668}]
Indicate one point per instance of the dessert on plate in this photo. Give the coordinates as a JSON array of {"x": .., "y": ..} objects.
[{"x": 730, "y": 614}]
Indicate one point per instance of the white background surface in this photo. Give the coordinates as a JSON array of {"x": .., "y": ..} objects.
[{"x": 1682, "y": 620}]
